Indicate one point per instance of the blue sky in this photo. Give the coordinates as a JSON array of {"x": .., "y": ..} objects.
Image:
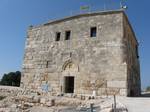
[{"x": 17, "y": 15}]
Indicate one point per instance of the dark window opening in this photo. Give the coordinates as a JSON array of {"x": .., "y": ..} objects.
[
  {"x": 47, "y": 64},
  {"x": 57, "y": 36},
  {"x": 137, "y": 54},
  {"x": 93, "y": 31},
  {"x": 69, "y": 84},
  {"x": 67, "y": 36}
]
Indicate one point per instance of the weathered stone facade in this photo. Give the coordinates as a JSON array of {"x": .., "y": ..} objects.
[{"x": 107, "y": 63}]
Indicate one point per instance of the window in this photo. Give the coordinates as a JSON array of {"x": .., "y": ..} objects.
[
  {"x": 57, "y": 36},
  {"x": 93, "y": 32},
  {"x": 67, "y": 36},
  {"x": 47, "y": 64},
  {"x": 137, "y": 54}
]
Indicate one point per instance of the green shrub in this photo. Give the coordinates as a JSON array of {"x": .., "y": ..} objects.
[{"x": 11, "y": 79}]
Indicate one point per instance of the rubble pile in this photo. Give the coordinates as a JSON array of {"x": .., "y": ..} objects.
[{"x": 27, "y": 101}]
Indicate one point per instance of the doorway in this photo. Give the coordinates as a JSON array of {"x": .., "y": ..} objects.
[{"x": 69, "y": 84}]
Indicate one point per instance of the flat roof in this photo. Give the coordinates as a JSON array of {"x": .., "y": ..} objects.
[{"x": 84, "y": 15}]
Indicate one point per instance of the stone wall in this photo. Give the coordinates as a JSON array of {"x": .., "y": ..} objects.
[
  {"x": 10, "y": 91},
  {"x": 132, "y": 60},
  {"x": 96, "y": 63}
]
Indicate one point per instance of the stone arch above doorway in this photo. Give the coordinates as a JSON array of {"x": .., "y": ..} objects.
[
  {"x": 70, "y": 66},
  {"x": 70, "y": 70}
]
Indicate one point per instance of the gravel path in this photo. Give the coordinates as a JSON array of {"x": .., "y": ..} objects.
[{"x": 136, "y": 104}]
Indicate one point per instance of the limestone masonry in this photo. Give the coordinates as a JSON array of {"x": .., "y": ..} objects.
[{"x": 93, "y": 53}]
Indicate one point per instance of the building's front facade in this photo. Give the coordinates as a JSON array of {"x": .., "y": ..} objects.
[{"x": 82, "y": 54}]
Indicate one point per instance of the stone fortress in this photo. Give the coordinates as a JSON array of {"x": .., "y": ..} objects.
[{"x": 82, "y": 54}]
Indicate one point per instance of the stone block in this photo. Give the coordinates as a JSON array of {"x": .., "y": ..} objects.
[
  {"x": 123, "y": 92},
  {"x": 43, "y": 100},
  {"x": 52, "y": 102},
  {"x": 116, "y": 84},
  {"x": 36, "y": 99}
]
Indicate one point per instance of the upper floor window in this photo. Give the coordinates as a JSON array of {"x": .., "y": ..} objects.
[
  {"x": 137, "y": 54},
  {"x": 93, "y": 32},
  {"x": 57, "y": 38},
  {"x": 67, "y": 35}
]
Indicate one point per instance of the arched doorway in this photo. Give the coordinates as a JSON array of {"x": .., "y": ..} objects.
[
  {"x": 69, "y": 84},
  {"x": 69, "y": 76}
]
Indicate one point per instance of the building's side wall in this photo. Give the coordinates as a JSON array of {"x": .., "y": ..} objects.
[
  {"x": 132, "y": 58},
  {"x": 98, "y": 63}
]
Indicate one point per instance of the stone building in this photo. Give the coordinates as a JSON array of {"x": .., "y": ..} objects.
[{"x": 83, "y": 53}]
